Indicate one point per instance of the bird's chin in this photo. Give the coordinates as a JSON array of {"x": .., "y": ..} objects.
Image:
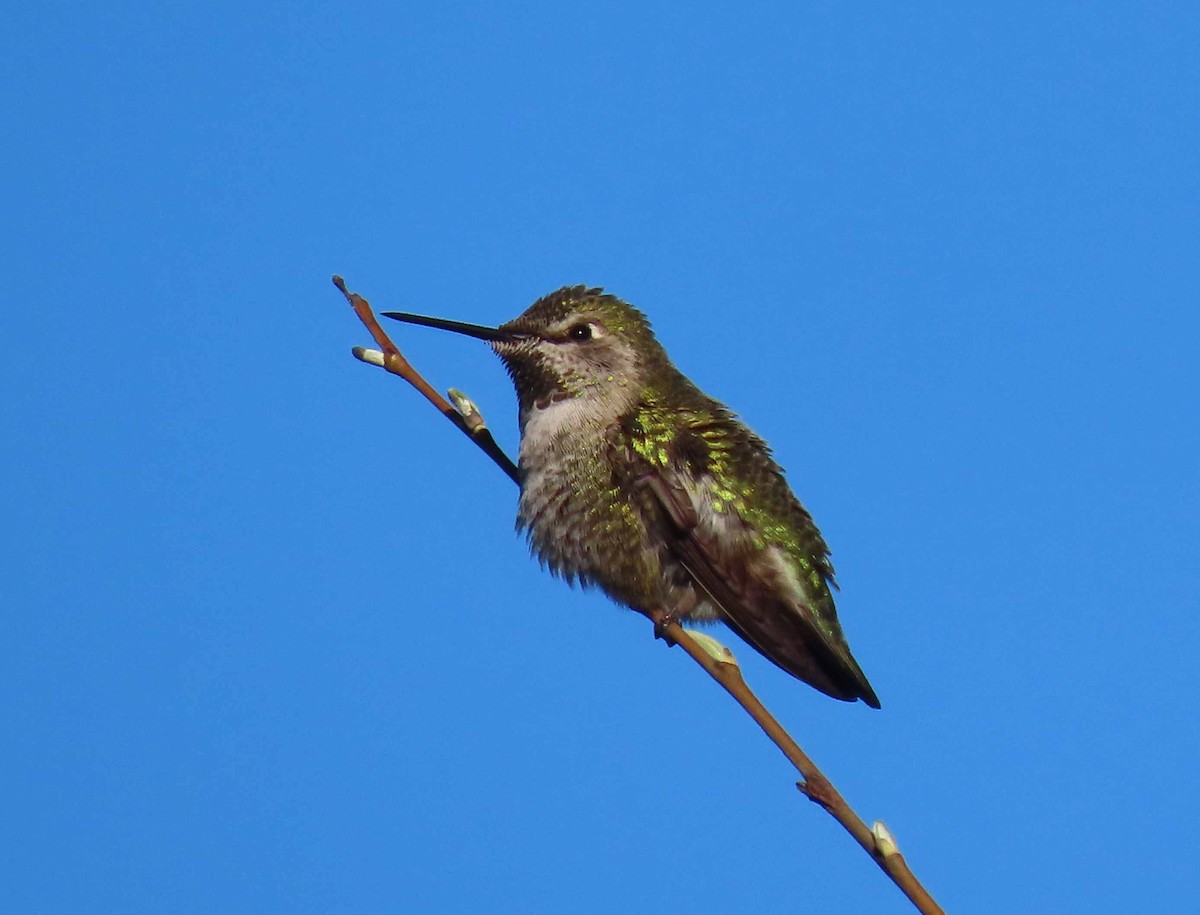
[{"x": 515, "y": 349}]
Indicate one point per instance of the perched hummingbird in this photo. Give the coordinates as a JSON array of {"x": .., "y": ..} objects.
[{"x": 635, "y": 480}]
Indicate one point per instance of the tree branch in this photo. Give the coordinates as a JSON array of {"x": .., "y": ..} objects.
[{"x": 706, "y": 651}]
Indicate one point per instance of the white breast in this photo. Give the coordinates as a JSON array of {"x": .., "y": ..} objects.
[{"x": 545, "y": 431}]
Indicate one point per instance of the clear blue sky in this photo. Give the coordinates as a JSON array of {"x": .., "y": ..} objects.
[{"x": 270, "y": 642}]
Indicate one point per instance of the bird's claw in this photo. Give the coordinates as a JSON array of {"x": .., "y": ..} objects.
[{"x": 663, "y": 622}]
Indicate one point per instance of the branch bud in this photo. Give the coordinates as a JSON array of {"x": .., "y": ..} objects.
[
  {"x": 885, "y": 842},
  {"x": 712, "y": 647}
]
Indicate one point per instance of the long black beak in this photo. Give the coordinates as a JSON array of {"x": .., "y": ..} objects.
[{"x": 471, "y": 330}]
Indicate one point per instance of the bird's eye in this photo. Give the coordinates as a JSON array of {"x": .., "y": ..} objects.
[{"x": 580, "y": 332}]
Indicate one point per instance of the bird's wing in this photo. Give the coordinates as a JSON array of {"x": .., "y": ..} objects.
[{"x": 768, "y": 590}]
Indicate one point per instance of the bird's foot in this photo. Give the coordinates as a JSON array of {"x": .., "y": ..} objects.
[
  {"x": 685, "y": 602},
  {"x": 663, "y": 621}
]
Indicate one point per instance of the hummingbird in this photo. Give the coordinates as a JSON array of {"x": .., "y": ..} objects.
[{"x": 634, "y": 480}]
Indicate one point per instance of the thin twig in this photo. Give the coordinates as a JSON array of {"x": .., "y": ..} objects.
[
  {"x": 394, "y": 362},
  {"x": 815, "y": 786},
  {"x": 877, "y": 842}
]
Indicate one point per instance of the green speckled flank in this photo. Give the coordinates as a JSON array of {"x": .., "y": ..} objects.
[{"x": 686, "y": 431}]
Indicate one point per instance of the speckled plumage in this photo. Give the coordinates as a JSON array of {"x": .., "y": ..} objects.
[{"x": 636, "y": 481}]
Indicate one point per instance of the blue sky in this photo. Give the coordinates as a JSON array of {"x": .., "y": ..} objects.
[{"x": 271, "y": 643}]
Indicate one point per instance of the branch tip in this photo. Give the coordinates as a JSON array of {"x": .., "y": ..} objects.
[{"x": 369, "y": 356}]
